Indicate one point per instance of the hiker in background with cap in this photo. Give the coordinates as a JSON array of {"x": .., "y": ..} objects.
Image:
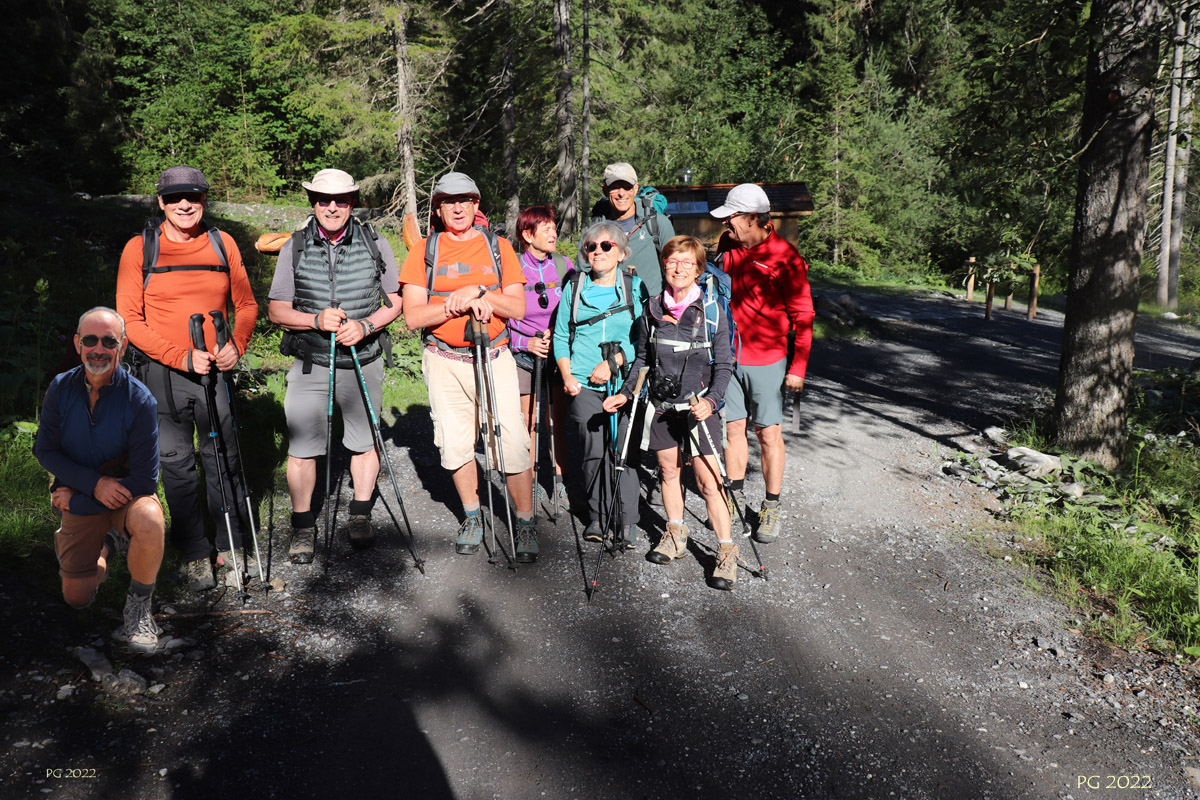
[
  {"x": 192, "y": 269},
  {"x": 646, "y": 229},
  {"x": 337, "y": 276},
  {"x": 98, "y": 437},
  {"x": 770, "y": 297},
  {"x": 473, "y": 275}
]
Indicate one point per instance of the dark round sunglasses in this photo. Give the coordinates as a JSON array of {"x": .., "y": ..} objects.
[
  {"x": 91, "y": 340},
  {"x": 590, "y": 247},
  {"x": 543, "y": 300}
]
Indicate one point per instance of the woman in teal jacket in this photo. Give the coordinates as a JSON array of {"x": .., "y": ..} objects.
[{"x": 594, "y": 342}]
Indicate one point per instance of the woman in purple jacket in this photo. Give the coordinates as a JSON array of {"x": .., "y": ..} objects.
[{"x": 545, "y": 270}]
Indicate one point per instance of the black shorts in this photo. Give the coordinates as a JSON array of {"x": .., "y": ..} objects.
[{"x": 680, "y": 429}]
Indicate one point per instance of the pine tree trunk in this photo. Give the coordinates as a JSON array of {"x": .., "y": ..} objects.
[
  {"x": 1169, "y": 158},
  {"x": 404, "y": 113},
  {"x": 1091, "y": 404},
  {"x": 564, "y": 121},
  {"x": 1182, "y": 158},
  {"x": 508, "y": 125},
  {"x": 585, "y": 117}
]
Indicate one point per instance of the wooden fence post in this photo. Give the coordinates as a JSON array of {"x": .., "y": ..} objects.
[
  {"x": 970, "y": 279},
  {"x": 1035, "y": 280},
  {"x": 991, "y": 293},
  {"x": 1008, "y": 301}
]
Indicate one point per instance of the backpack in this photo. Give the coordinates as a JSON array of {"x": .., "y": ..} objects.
[
  {"x": 718, "y": 291},
  {"x": 650, "y": 204},
  {"x": 573, "y": 282},
  {"x": 150, "y": 234},
  {"x": 431, "y": 251}
]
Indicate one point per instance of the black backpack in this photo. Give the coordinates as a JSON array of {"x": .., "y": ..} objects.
[
  {"x": 573, "y": 281},
  {"x": 150, "y": 234}
]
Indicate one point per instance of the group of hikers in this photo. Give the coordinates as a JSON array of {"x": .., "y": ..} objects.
[{"x": 636, "y": 344}]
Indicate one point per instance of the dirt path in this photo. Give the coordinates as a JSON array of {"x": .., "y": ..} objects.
[{"x": 885, "y": 657}]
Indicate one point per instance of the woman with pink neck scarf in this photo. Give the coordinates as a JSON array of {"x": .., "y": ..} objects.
[{"x": 690, "y": 366}]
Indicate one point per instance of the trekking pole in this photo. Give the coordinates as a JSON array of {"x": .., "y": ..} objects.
[
  {"x": 222, "y": 329},
  {"x": 538, "y": 361},
  {"x": 493, "y": 412},
  {"x": 637, "y": 392},
  {"x": 556, "y": 481},
  {"x": 481, "y": 418},
  {"x": 329, "y": 447},
  {"x": 196, "y": 327},
  {"x": 418, "y": 562},
  {"x": 727, "y": 485}
]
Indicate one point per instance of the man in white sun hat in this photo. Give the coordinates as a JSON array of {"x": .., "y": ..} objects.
[
  {"x": 770, "y": 298},
  {"x": 334, "y": 276}
]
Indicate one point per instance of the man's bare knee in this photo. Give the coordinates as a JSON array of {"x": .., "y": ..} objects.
[
  {"x": 78, "y": 595},
  {"x": 145, "y": 519}
]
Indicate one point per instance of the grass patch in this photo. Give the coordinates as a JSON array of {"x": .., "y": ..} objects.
[{"x": 1127, "y": 554}]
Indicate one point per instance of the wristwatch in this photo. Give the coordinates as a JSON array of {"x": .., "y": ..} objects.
[
  {"x": 370, "y": 326},
  {"x": 482, "y": 291}
]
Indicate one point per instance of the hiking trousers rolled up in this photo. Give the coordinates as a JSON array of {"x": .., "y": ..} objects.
[
  {"x": 599, "y": 458},
  {"x": 183, "y": 415}
]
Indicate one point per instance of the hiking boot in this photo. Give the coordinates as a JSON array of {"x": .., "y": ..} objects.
[
  {"x": 199, "y": 575},
  {"x": 303, "y": 545},
  {"x": 562, "y": 503},
  {"x": 470, "y": 535},
  {"x": 673, "y": 544},
  {"x": 725, "y": 572},
  {"x": 592, "y": 533},
  {"x": 245, "y": 562},
  {"x": 362, "y": 535},
  {"x": 768, "y": 522},
  {"x": 140, "y": 632},
  {"x": 627, "y": 538},
  {"x": 116, "y": 542},
  {"x": 542, "y": 497},
  {"x": 654, "y": 497},
  {"x": 527, "y": 543},
  {"x": 740, "y": 498}
]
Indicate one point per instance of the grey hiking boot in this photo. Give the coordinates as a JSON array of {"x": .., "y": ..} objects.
[
  {"x": 246, "y": 564},
  {"x": 362, "y": 535},
  {"x": 470, "y": 535},
  {"x": 542, "y": 497},
  {"x": 654, "y": 497},
  {"x": 627, "y": 538},
  {"x": 562, "y": 504},
  {"x": 725, "y": 572},
  {"x": 303, "y": 545},
  {"x": 592, "y": 533},
  {"x": 140, "y": 632},
  {"x": 527, "y": 543},
  {"x": 768, "y": 522},
  {"x": 199, "y": 575},
  {"x": 672, "y": 545},
  {"x": 740, "y": 498},
  {"x": 116, "y": 542}
]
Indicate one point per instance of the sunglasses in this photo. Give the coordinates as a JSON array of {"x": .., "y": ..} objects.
[
  {"x": 543, "y": 300},
  {"x": 590, "y": 247},
  {"x": 340, "y": 202},
  {"x": 91, "y": 340},
  {"x": 191, "y": 197}
]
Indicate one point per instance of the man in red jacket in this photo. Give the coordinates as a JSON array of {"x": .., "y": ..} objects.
[{"x": 770, "y": 297}]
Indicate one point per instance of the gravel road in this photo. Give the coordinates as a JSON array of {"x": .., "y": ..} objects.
[{"x": 892, "y": 652}]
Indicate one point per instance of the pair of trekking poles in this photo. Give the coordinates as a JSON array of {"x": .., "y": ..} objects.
[
  {"x": 487, "y": 416},
  {"x": 220, "y": 449},
  {"x": 418, "y": 562},
  {"x": 616, "y": 503}
]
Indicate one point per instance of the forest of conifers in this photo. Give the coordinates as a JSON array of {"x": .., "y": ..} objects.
[{"x": 926, "y": 130}]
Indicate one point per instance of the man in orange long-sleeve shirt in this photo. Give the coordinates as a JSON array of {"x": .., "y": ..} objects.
[
  {"x": 770, "y": 297},
  {"x": 196, "y": 270}
]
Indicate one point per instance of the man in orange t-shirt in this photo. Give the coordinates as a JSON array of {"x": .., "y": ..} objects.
[
  {"x": 196, "y": 270},
  {"x": 467, "y": 282}
]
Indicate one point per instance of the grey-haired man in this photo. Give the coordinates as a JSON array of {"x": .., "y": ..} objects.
[{"x": 336, "y": 276}]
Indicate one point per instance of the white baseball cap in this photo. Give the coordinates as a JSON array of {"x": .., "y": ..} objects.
[{"x": 745, "y": 198}]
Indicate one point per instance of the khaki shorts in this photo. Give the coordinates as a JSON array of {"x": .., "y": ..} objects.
[
  {"x": 78, "y": 541},
  {"x": 451, "y": 387}
]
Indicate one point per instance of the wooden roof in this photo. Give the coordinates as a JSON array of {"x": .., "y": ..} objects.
[{"x": 787, "y": 198}]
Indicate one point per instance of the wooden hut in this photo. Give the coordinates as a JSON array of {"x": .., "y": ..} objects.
[{"x": 689, "y": 207}]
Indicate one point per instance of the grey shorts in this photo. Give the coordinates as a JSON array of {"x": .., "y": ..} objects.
[
  {"x": 757, "y": 395},
  {"x": 306, "y": 403}
]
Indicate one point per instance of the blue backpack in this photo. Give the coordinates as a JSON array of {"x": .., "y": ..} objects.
[{"x": 718, "y": 291}]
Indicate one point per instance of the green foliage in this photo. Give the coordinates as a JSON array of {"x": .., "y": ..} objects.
[
  {"x": 1131, "y": 544},
  {"x": 26, "y": 519}
]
